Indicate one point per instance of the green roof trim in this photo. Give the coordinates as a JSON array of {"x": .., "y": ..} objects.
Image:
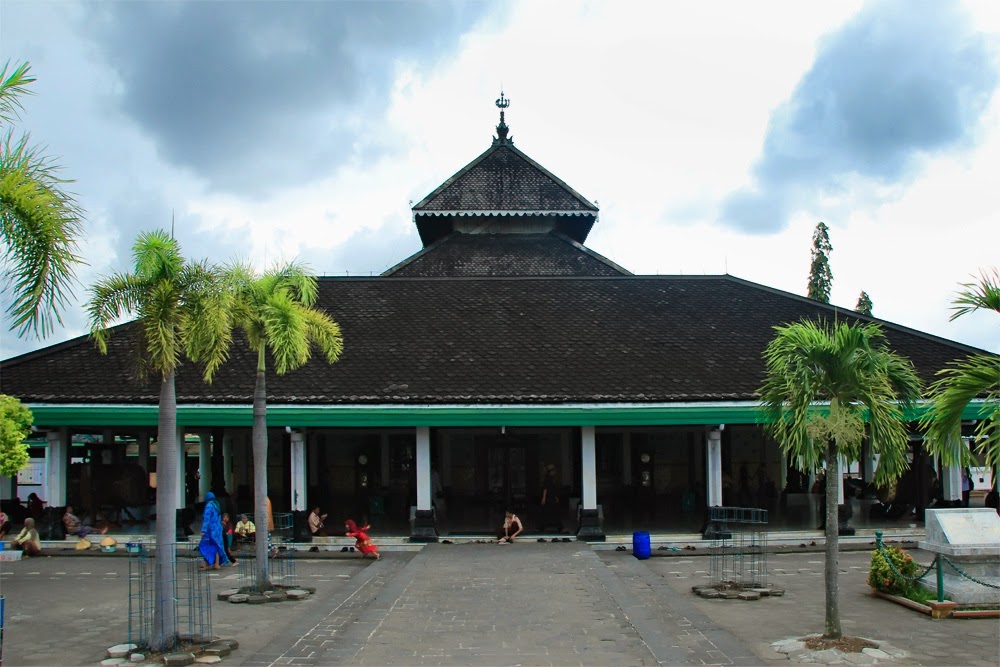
[{"x": 395, "y": 416}]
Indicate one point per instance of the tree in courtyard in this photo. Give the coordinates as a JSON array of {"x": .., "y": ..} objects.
[
  {"x": 39, "y": 222},
  {"x": 820, "y": 275},
  {"x": 275, "y": 311},
  {"x": 181, "y": 310},
  {"x": 964, "y": 380},
  {"x": 864, "y": 304},
  {"x": 823, "y": 382},
  {"x": 15, "y": 427}
]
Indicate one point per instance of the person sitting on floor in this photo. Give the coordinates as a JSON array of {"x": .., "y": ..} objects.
[
  {"x": 28, "y": 540},
  {"x": 244, "y": 529},
  {"x": 74, "y": 526},
  {"x": 316, "y": 523},
  {"x": 4, "y": 525},
  {"x": 512, "y": 527}
]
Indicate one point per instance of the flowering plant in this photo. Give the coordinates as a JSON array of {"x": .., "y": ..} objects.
[{"x": 883, "y": 578}]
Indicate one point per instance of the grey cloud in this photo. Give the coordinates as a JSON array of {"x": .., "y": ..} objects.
[
  {"x": 898, "y": 81},
  {"x": 253, "y": 95},
  {"x": 366, "y": 252}
]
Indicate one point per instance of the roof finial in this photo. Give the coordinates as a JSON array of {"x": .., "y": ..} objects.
[{"x": 502, "y": 129}]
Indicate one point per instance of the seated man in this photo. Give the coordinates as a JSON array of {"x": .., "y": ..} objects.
[
  {"x": 74, "y": 526},
  {"x": 244, "y": 529},
  {"x": 316, "y": 523},
  {"x": 512, "y": 527},
  {"x": 4, "y": 525},
  {"x": 28, "y": 539}
]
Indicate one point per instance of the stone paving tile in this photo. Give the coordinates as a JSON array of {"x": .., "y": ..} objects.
[
  {"x": 480, "y": 604},
  {"x": 801, "y": 612},
  {"x": 529, "y": 604}
]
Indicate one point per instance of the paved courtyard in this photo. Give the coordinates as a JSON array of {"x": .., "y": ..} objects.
[{"x": 487, "y": 604}]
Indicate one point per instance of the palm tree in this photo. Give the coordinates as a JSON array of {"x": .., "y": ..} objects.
[
  {"x": 39, "y": 222},
  {"x": 962, "y": 381},
  {"x": 181, "y": 310},
  {"x": 822, "y": 384},
  {"x": 275, "y": 311}
]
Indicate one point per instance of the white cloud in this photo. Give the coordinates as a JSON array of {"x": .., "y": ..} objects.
[{"x": 656, "y": 110}]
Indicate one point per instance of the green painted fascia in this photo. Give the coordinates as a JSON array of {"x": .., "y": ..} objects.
[{"x": 48, "y": 416}]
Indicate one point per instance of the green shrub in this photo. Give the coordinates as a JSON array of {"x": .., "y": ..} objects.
[{"x": 883, "y": 578}]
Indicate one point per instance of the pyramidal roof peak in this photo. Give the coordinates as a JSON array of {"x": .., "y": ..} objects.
[
  {"x": 503, "y": 182},
  {"x": 502, "y": 130}
]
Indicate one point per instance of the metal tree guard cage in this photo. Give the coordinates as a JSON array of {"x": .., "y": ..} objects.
[
  {"x": 739, "y": 555},
  {"x": 191, "y": 588},
  {"x": 280, "y": 568}
]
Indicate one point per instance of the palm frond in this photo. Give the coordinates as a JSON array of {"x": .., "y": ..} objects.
[
  {"x": 39, "y": 227},
  {"x": 286, "y": 332},
  {"x": 848, "y": 366},
  {"x": 954, "y": 389},
  {"x": 207, "y": 316},
  {"x": 325, "y": 333},
  {"x": 983, "y": 294},
  {"x": 12, "y": 87},
  {"x": 111, "y": 299},
  {"x": 157, "y": 256}
]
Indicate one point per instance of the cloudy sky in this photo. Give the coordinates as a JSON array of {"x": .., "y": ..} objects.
[{"x": 713, "y": 135}]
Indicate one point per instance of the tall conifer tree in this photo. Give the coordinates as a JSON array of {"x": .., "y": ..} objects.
[
  {"x": 820, "y": 275},
  {"x": 864, "y": 304}
]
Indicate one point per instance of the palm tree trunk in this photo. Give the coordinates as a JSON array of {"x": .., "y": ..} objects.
[
  {"x": 260, "y": 473},
  {"x": 833, "y": 630},
  {"x": 164, "y": 613}
]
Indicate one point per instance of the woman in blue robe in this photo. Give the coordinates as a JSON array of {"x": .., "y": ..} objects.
[{"x": 212, "y": 547}]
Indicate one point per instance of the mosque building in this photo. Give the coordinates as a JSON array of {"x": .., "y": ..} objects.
[{"x": 504, "y": 350}]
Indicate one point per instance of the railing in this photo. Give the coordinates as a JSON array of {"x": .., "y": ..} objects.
[{"x": 937, "y": 564}]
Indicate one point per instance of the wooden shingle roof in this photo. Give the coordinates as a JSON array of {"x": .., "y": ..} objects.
[
  {"x": 483, "y": 255},
  {"x": 501, "y": 184},
  {"x": 512, "y": 340}
]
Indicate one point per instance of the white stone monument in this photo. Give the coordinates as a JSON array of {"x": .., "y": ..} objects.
[{"x": 969, "y": 538}]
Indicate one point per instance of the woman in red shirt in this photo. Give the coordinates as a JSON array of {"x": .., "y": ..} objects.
[{"x": 362, "y": 542}]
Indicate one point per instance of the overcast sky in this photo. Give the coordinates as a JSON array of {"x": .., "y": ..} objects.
[{"x": 713, "y": 135}]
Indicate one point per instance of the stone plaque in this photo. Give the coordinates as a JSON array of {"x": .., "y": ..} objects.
[{"x": 963, "y": 526}]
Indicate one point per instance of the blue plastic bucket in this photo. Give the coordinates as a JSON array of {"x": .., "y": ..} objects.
[{"x": 640, "y": 545}]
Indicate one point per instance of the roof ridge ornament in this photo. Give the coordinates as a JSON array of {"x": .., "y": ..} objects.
[{"x": 502, "y": 129}]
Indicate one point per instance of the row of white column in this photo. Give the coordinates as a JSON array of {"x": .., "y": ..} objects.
[{"x": 58, "y": 459}]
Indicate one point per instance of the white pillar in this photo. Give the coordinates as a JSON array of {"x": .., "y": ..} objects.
[
  {"x": 423, "y": 468},
  {"x": 588, "y": 466},
  {"x": 227, "y": 462},
  {"x": 951, "y": 482},
  {"x": 298, "y": 457},
  {"x": 627, "y": 459},
  {"x": 841, "y": 469},
  {"x": 713, "y": 467},
  {"x": 867, "y": 462},
  {"x": 57, "y": 454}
]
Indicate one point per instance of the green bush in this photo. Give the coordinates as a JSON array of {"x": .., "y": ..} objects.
[{"x": 883, "y": 578}]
